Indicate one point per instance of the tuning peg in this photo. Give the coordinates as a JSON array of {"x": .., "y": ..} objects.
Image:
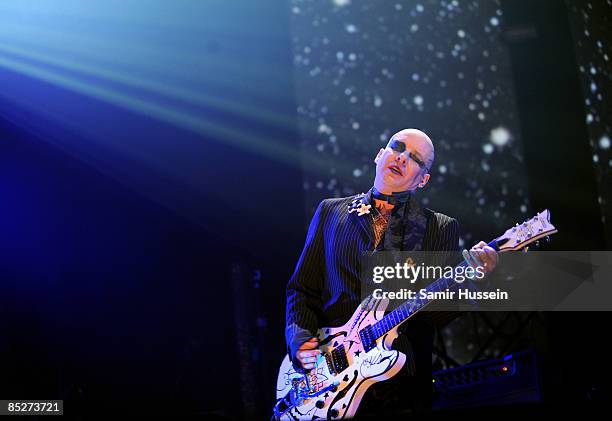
[
  {"x": 538, "y": 243},
  {"x": 548, "y": 238},
  {"x": 526, "y": 249}
]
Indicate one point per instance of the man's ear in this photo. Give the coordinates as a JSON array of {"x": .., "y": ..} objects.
[
  {"x": 380, "y": 152},
  {"x": 424, "y": 180}
]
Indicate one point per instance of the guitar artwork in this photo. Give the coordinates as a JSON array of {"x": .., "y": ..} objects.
[{"x": 335, "y": 387}]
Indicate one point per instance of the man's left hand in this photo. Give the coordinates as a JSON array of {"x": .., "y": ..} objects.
[{"x": 481, "y": 255}]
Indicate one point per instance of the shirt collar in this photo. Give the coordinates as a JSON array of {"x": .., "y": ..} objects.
[{"x": 395, "y": 198}]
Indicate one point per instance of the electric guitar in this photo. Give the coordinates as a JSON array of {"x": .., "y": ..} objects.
[{"x": 335, "y": 387}]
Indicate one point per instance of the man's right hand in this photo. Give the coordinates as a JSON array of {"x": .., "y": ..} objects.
[{"x": 307, "y": 353}]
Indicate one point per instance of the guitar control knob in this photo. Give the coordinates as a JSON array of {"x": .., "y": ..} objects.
[
  {"x": 320, "y": 404},
  {"x": 333, "y": 413}
]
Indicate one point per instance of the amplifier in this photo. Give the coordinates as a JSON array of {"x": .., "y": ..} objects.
[{"x": 512, "y": 379}]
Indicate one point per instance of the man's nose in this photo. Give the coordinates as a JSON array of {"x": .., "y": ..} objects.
[{"x": 401, "y": 158}]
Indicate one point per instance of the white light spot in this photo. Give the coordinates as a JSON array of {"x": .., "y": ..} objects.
[
  {"x": 352, "y": 56},
  {"x": 471, "y": 106},
  {"x": 341, "y": 2},
  {"x": 604, "y": 142},
  {"x": 418, "y": 100},
  {"x": 357, "y": 172},
  {"x": 419, "y": 8},
  {"x": 350, "y": 28},
  {"x": 593, "y": 87},
  {"x": 355, "y": 126},
  {"x": 461, "y": 33},
  {"x": 593, "y": 71},
  {"x": 595, "y": 158},
  {"x": 494, "y": 21},
  {"x": 487, "y": 148},
  {"x": 340, "y": 55},
  {"x": 377, "y": 101},
  {"x": 414, "y": 27},
  {"x": 324, "y": 128},
  {"x": 523, "y": 208},
  {"x": 415, "y": 77},
  {"x": 500, "y": 136},
  {"x": 481, "y": 116},
  {"x": 442, "y": 169},
  {"x": 589, "y": 118}
]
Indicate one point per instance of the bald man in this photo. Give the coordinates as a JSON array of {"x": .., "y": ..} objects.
[{"x": 323, "y": 290}]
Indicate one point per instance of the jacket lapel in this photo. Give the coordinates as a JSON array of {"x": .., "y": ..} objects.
[{"x": 362, "y": 216}]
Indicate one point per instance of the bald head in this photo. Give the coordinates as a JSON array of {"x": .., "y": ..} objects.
[
  {"x": 422, "y": 144},
  {"x": 403, "y": 165}
]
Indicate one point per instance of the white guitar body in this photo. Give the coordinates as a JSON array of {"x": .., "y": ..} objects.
[{"x": 337, "y": 394}]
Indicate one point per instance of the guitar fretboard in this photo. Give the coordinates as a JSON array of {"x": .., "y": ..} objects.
[{"x": 409, "y": 307}]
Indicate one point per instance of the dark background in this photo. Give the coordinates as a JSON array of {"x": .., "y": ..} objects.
[{"x": 144, "y": 255}]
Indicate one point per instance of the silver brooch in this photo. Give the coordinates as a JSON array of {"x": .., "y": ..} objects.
[{"x": 358, "y": 205}]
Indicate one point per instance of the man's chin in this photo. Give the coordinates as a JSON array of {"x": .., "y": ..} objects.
[{"x": 394, "y": 187}]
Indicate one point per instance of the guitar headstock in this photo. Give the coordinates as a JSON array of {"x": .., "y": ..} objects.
[{"x": 530, "y": 231}]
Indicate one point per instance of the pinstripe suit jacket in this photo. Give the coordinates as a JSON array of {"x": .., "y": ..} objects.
[{"x": 324, "y": 289}]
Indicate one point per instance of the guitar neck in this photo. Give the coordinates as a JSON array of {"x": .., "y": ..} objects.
[{"x": 410, "y": 307}]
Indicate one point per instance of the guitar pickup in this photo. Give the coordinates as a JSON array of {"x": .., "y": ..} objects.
[
  {"x": 367, "y": 338},
  {"x": 339, "y": 359},
  {"x": 330, "y": 364}
]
